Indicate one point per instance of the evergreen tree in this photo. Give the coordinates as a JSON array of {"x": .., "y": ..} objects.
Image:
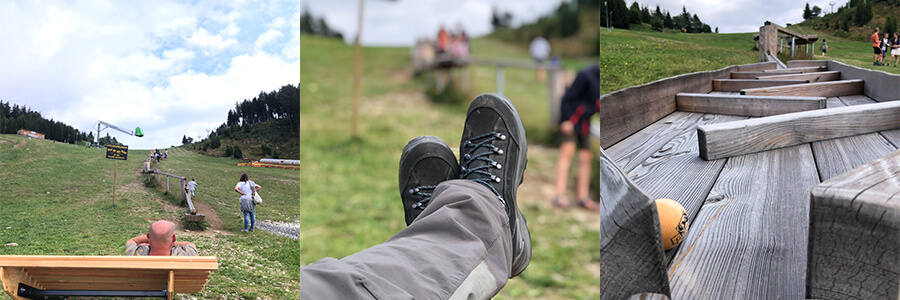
[
  {"x": 668, "y": 22},
  {"x": 807, "y": 13},
  {"x": 237, "y": 152},
  {"x": 634, "y": 13}
]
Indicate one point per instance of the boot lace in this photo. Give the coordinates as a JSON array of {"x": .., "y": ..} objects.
[
  {"x": 470, "y": 166},
  {"x": 425, "y": 192}
]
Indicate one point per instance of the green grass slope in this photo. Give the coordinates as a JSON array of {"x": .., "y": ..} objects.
[
  {"x": 854, "y": 50},
  {"x": 58, "y": 201}
]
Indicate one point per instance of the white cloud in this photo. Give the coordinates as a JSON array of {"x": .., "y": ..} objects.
[
  {"x": 267, "y": 37},
  {"x": 204, "y": 39},
  {"x": 172, "y": 68}
]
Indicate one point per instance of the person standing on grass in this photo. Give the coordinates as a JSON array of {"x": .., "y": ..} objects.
[
  {"x": 876, "y": 46},
  {"x": 824, "y": 48},
  {"x": 539, "y": 50},
  {"x": 577, "y": 106},
  {"x": 166, "y": 154},
  {"x": 192, "y": 186},
  {"x": 247, "y": 188},
  {"x": 885, "y": 49},
  {"x": 159, "y": 241},
  {"x": 895, "y": 49}
]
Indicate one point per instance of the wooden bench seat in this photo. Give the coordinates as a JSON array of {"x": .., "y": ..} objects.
[{"x": 102, "y": 274}]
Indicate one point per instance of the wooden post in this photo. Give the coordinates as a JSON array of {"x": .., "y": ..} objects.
[
  {"x": 357, "y": 71},
  {"x": 115, "y": 170},
  {"x": 167, "y": 183},
  {"x": 500, "y": 79}
]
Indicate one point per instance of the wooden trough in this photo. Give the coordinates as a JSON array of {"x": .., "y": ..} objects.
[{"x": 790, "y": 194}]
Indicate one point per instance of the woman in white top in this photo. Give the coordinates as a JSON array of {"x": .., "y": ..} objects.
[{"x": 247, "y": 188}]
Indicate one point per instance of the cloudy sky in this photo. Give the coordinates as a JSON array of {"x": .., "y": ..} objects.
[
  {"x": 172, "y": 68},
  {"x": 399, "y": 23}
]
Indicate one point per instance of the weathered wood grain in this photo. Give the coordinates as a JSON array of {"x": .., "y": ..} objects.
[
  {"x": 757, "y": 67},
  {"x": 632, "y": 151},
  {"x": 736, "y": 85},
  {"x": 631, "y": 249},
  {"x": 743, "y": 137},
  {"x": 893, "y": 136},
  {"x": 837, "y": 156},
  {"x": 816, "y": 89},
  {"x": 749, "y": 240},
  {"x": 807, "y": 63},
  {"x": 880, "y": 85},
  {"x": 753, "y": 75},
  {"x": 753, "y": 106},
  {"x": 801, "y": 69},
  {"x": 648, "y": 296},
  {"x": 675, "y": 171},
  {"x": 854, "y": 233},
  {"x": 811, "y": 77}
]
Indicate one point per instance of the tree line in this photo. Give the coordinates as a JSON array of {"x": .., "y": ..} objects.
[
  {"x": 309, "y": 24},
  {"x": 853, "y": 13},
  {"x": 14, "y": 117},
  {"x": 620, "y": 15}
]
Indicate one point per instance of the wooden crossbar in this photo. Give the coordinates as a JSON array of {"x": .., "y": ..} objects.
[
  {"x": 755, "y": 135},
  {"x": 175, "y": 274},
  {"x": 817, "y": 89},
  {"x": 811, "y": 77},
  {"x": 801, "y": 69},
  {"x": 736, "y": 85},
  {"x": 752, "y": 106},
  {"x": 754, "y": 75}
]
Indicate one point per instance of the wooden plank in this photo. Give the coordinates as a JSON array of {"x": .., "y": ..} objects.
[
  {"x": 736, "y": 85},
  {"x": 749, "y": 239},
  {"x": 631, "y": 249},
  {"x": 753, "y": 106},
  {"x": 837, "y": 156},
  {"x": 817, "y": 89},
  {"x": 854, "y": 233},
  {"x": 880, "y": 85},
  {"x": 675, "y": 171},
  {"x": 807, "y": 63},
  {"x": 753, "y": 75},
  {"x": 718, "y": 140},
  {"x": 207, "y": 263},
  {"x": 635, "y": 149},
  {"x": 811, "y": 77},
  {"x": 757, "y": 67},
  {"x": 801, "y": 70}
]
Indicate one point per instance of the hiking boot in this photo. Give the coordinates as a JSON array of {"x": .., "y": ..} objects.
[
  {"x": 426, "y": 161},
  {"x": 493, "y": 153}
]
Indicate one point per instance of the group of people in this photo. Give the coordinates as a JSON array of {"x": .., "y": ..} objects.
[
  {"x": 160, "y": 237},
  {"x": 884, "y": 45},
  {"x": 455, "y": 43},
  {"x": 159, "y": 155}
]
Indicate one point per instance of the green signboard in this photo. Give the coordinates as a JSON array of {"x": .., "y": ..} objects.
[{"x": 119, "y": 152}]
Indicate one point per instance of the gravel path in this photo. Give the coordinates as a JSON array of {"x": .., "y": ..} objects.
[{"x": 291, "y": 230}]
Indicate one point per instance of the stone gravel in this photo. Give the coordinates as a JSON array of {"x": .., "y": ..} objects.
[{"x": 290, "y": 230}]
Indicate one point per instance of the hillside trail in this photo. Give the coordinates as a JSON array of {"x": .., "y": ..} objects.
[{"x": 213, "y": 221}]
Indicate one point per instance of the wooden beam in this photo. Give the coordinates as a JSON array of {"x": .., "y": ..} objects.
[
  {"x": 854, "y": 231},
  {"x": 736, "y": 85},
  {"x": 631, "y": 252},
  {"x": 755, "y": 135},
  {"x": 816, "y": 89},
  {"x": 757, "y": 67},
  {"x": 753, "y": 75},
  {"x": 11, "y": 276},
  {"x": 801, "y": 70},
  {"x": 752, "y": 106},
  {"x": 807, "y": 63},
  {"x": 811, "y": 77}
]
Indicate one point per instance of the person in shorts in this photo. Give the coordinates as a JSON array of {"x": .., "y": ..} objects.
[
  {"x": 895, "y": 49},
  {"x": 577, "y": 106},
  {"x": 876, "y": 46}
]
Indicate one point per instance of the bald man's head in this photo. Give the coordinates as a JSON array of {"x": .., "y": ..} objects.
[{"x": 161, "y": 232}]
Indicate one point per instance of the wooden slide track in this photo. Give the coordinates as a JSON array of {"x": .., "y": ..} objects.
[{"x": 790, "y": 178}]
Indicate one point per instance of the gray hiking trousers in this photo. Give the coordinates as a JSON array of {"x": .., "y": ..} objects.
[{"x": 458, "y": 248}]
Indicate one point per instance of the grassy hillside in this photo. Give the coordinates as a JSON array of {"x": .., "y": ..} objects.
[{"x": 58, "y": 201}]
